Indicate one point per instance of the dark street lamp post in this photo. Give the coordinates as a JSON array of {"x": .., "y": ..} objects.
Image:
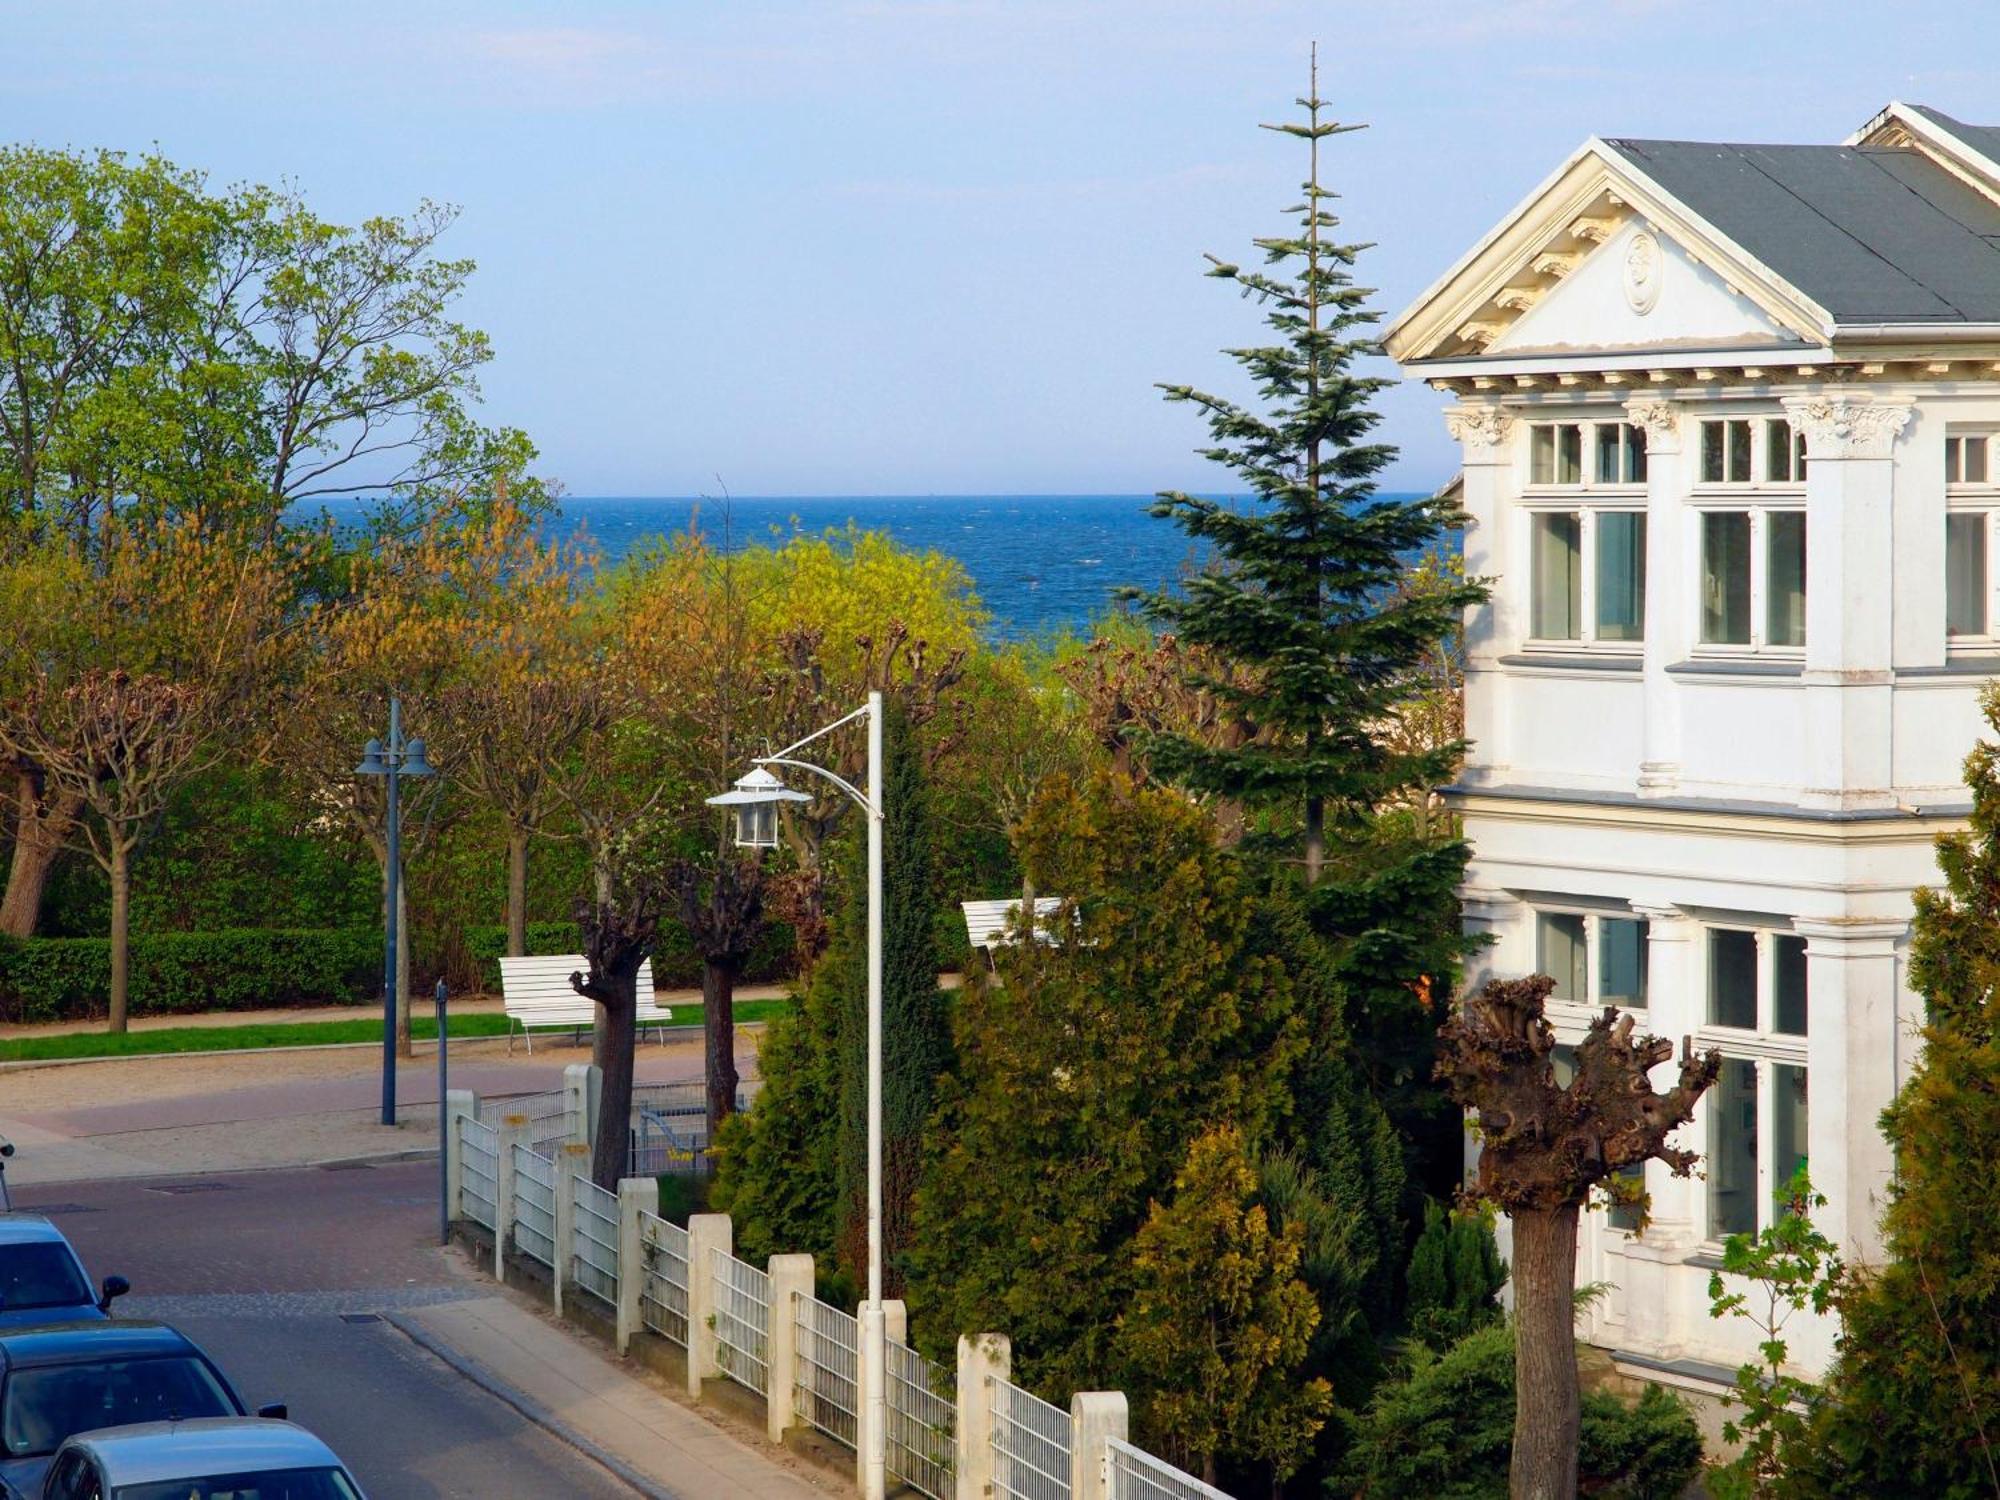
[{"x": 393, "y": 760}]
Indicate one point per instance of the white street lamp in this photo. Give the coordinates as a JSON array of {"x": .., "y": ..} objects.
[{"x": 755, "y": 800}]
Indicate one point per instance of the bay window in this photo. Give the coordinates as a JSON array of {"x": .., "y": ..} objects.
[
  {"x": 1757, "y": 1009},
  {"x": 1586, "y": 533},
  {"x": 1753, "y": 578},
  {"x": 1972, "y": 501}
]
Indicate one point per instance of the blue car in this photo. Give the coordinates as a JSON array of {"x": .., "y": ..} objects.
[
  {"x": 216, "y": 1459},
  {"x": 41, "y": 1279},
  {"x": 64, "y": 1378}
]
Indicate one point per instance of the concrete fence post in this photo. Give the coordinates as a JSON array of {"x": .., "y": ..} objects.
[
  {"x": 513, "y": 1132},
  {"x": 707, "y": 1233},
  {"x": 896, "y": 1321},
  {"x": 982, "y": 1359},
  {"x": 583, "y": 1088},
  {"x": 636, "y": 1195},
  {"x": 458, "y": 1103},
  {"x": 1093, "y": 1417},
  {"x": 567, "y": 1157},
  {"x": 791, "y": 1278}
]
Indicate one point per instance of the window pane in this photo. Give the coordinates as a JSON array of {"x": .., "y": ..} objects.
[
  {"x": 1975, "y": 460},
  {"x": 1558, "y": 578},
  {"x": 1778, "y": 452},
  {"x": 1569, "y": 453},
  {"x": 1562, "y": 1058},
  {"x": 1965, "y": 574},
  {"x": 1625, "y": 1216},
  {"x": 1732, "y": 1150},
  {"x": 1785, "y": 583},
  {"x": 1621, "y": 576},
  {"x": 1635, "y": 453},
  {"x": 1560, "y": 955},
  {"x": 1788, "y": 1125},
  {"x": 1725, "y": 578},
  {"x": 1621, "y": 962},
  {"x": 1609, "y": 448},
  {"x": 1790, "y": 1001},
  {"x": 1542, "y": 456},
  {"x": 1711, "y": 453},
  {"x": 1732, "y": 979},
  {"x": 1739, "y": 452},
  {"x": 1954, "y": 460}
]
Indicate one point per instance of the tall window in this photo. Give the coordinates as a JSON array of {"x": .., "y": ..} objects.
[
  {"x": 1632, "y": 1180},
  {"x": 1972, "y": 501},
  {"x": 1587, "y": 533},
  {"x": 1757, "y": 1013},
  {"x": 1753, "y": 578},
  {"x": 1595, "y": 960}
]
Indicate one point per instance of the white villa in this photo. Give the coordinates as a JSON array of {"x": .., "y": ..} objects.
[{"x": 1726, "y": 413}]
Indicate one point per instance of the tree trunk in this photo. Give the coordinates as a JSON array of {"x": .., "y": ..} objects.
[
  {"x": 1547, "y": 1416},
  {"x": 718, "y": 998},
  {"x": 600, "y": 1035},
  {"x": 39, "y": 831},
  {"x": 610, "y": 1153},
  {"x": 1315, "y": 838},
  {"x": 121, "y": 928},
  {"x": 517, "y": 892}
]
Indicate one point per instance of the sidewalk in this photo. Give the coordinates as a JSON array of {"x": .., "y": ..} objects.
[{"x": 636, "y": 1427}]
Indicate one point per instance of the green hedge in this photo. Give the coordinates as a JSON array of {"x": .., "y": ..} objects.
[
  {"x": 675, "y": 963},
  {"x": 174, "y": 973}
]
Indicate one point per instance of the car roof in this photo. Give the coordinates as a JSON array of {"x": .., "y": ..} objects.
[
  {"x": 156, "y": 1451},
  {"x": 29, "y": 1229},
  {"x": 61, "y": 1343}
]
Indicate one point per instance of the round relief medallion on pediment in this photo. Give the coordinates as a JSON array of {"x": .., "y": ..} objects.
[{"x": 1644, "y": 267}]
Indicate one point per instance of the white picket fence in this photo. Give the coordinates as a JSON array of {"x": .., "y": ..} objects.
[{"x": 948, "y": 1434}]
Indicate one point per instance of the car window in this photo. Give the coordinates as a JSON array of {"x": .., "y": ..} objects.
[
  {"x": 74, "y": 1478},
  {"x": 41, "y": 1274},
  {"x": 44, "y": 1404},
  {"x": 288, "y": 1484}
]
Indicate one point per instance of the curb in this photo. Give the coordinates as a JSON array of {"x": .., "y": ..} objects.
[{"x": 528, "y": 1407}]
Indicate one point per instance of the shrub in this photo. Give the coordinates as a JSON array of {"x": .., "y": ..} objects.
[
  {"x": 1455, "y": 1277},
  {"x": 1444, "y": 1429},
  {"x": 675, "y": 963},
  {"x": 175, "y": 973}
]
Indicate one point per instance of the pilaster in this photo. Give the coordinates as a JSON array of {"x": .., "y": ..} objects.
[
  {"x": 1668, "y": 632},
  {"x": 1485, "y": 429},
  {"x": 1849, "y": 605}
]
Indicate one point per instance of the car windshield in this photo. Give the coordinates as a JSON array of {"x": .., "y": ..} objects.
[
  {"x": 278, "y": 1484},
  {"x": 41, "y": 1274},
  {"x": 43, "y": 1404}
]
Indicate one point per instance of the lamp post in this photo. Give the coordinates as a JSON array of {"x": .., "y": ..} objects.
[
  {"x": 393, "y": 760},
  {"x": 754, "y": 800},
  {"x": 444, "y": 1120}
]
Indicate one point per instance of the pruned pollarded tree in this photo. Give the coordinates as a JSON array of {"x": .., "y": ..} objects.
[
  {"x": 1543, "y": 1148},
  {"x": 721, "y": 903},
  {"x": 620, "y": 929}
]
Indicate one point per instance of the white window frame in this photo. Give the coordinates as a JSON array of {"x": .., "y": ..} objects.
[
  {"x": 1573, "y": 1017},
  {"x": 1980, "y": 497},
  {"x": 1760, "y": 455},
  {"x": 1765, "y": 1047},
  {"x": 1586, "y": 500},
  {"x": 1760, "y": 513}
]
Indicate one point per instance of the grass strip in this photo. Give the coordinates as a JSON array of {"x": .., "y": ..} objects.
[{"x": 190, "y": 1039}]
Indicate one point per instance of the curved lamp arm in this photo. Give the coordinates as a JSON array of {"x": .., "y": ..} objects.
[{"x": 821, "y": 771}]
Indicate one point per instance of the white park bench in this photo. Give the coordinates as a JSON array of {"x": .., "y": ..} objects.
[
  {"x": 986, "y": 921},
  {"x": 536, "y": 992}
]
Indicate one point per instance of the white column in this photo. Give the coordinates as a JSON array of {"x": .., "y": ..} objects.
[
  {"x": 458, "y": 1105},
  {"x": 707, "y": 1233},
  {"x": 791, "y": 1277},
  {"x": 636, "y": 1196},
  {"x": 1849, "y": 601},
  {"x": 583, "y": 1085},
  {"x": 1485, "y": 429},
  {"x": 1093, "y": 1417},
  {"x": 1851, "y": 990},
  {"x": 983, "y": 1358},
  {"x": 896, "y": 1321},
  {"x": 1668, "y": 589},
  {"x": 513, "y": 1132}
]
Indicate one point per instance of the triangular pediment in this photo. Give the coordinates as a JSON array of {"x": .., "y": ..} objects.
[{"x": 1600, "y": 258}]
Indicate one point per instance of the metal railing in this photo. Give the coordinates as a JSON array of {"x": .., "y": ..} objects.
[
  {"x": 479, "y": 1171},
  {"x": 535, "y": 1205},
  {"x": 742, "y": 1311},
  {"x": 594, "y": 1240},
  {"x": 664, "y": 1144},
  {"x": 1030, "y": 1445},
  {"x": 551, "y": 1121},
  {"x": 1134, "y": 1474},
  {"x": 826, "y": 1372},
  {"x": 663, "y": 1289},
  {"x": 923, "y": 1422}
]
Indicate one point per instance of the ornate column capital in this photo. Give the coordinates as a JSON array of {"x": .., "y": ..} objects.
[
  {"x": 1662, "y": 420},
  {"x": 1666, "y": 924},
  {"x": 1484, "y": 427},
  {"x": 1843, "y": 425}
]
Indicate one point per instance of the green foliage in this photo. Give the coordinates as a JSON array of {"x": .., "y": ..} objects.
[
  {"x": 1219, "y": 1325},
  {"x": 177, "y": 973},
  {"x": 1788, "y": 1267},
  {"x": 1444, "y": 1429},
  {"x": 675, "y": 963},
  {"x": 1455, "y": 1277},
  {"x": 1913, "y": 1401},
  {"x": 1086, "y": 1068}
]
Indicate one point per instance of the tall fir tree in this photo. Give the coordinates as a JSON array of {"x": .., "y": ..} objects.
[{"x": 1321, "y": 648}]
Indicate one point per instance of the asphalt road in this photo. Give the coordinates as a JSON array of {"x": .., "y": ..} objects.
[{"x": 278, "y": 1275}]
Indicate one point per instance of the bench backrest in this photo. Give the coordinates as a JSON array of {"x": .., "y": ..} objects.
[
  {"x": 986, "y": 921},
  {"x": 537, "y": 988}
]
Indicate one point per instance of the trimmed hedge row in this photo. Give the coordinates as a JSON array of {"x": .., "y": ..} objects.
[
  {"x": 675, "y": 963},
  {"x": 174, "y": 973}
]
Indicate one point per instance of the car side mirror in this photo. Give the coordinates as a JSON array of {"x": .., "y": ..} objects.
[
  {"x": 114, "y": 1288},
  {"x": 276, "y": 1411}
]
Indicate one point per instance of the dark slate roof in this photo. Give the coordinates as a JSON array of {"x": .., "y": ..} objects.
[
  {"x": 1985, "y": 139},
  {"x": 1873, "y": 235}
]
